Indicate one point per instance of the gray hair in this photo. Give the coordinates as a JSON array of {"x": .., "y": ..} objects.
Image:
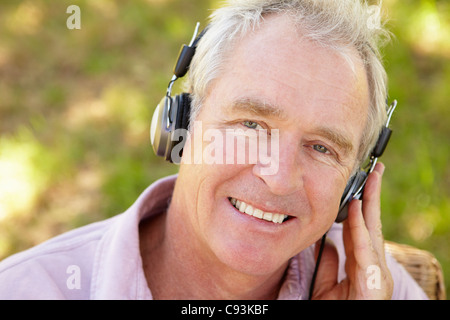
[{"x": 339, "y": 24}]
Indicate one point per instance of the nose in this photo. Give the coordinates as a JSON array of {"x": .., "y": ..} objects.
[{"x": 283, "y": 173}]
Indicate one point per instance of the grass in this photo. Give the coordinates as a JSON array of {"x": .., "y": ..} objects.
[{"x": 76, "y": 105}]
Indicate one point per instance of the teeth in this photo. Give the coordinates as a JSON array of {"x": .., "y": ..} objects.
[
  {"x": 257, "y": 213},
  {"x": 242, "y": 207},
  {"x": 267, "y": 216}
]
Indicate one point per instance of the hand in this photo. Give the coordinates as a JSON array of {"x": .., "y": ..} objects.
[{"x": 368, "y": 276}]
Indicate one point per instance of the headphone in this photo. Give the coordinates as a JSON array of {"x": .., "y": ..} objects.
[
  {"x": 356, "y": 184},
  {"x": 173, "y": 113}
]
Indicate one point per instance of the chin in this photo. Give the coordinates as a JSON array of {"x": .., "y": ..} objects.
[
  {"x": 253, "y": 263},
  {"x": 254, "y": 258}
]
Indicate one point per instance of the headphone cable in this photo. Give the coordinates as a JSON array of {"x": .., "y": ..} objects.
[{"x": 316, "y": 269}]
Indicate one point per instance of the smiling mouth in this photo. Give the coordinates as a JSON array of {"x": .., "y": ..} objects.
[{"x": 257, "y": 213}]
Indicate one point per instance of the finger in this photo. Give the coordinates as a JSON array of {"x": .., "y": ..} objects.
[
  {"x": 371, "y": 208},
  {"x": 371, "y": 197},
  {"x": 358, "y": 239}
]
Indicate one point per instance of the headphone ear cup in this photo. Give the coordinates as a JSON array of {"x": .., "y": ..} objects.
[
  {"x": 160, "y": 127},
  {"x": 353, "y": 185},
  {"x": 181, "y": 115},
  {"x": 184, "y": 111},
  {"x": 170, "y": 114}
]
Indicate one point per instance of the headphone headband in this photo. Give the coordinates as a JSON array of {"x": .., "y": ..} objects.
[{"x": 187, "y": 53}]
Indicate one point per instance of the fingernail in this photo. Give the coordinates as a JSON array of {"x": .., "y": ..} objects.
[{"x": 382, "y": 168}]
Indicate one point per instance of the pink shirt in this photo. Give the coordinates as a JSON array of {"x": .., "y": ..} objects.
[{"x": 102, "y": 261}]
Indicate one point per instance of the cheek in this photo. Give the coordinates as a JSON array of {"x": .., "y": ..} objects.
[
  {"x": 324, "y": 191},
  {"x": 209, "y": 161}
]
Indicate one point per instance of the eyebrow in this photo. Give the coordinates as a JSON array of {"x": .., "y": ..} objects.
[
  {"x": 258, "y": 108},
  {"x": 337, "y": 138}
]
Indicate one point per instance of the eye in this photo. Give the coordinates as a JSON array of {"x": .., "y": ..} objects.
[
  {"x": 251, "y": 125},
  {"x": 320, "y": 148}
]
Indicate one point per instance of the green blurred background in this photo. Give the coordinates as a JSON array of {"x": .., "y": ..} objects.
[{"x": 75, "y": 109}]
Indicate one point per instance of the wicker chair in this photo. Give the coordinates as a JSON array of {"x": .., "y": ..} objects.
[{"x": 422, "y": 266}]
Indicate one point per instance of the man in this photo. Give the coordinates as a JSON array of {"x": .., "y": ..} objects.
[{"x": 306, "y": 70}]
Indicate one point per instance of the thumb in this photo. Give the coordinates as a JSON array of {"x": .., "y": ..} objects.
[{"x": 327, "y": 274}]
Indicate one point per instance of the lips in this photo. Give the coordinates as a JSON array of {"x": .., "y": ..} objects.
[{"x": 243, "y": 207}]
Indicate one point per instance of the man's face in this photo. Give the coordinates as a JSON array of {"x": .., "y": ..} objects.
[{"x": 275, "y": 80}]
